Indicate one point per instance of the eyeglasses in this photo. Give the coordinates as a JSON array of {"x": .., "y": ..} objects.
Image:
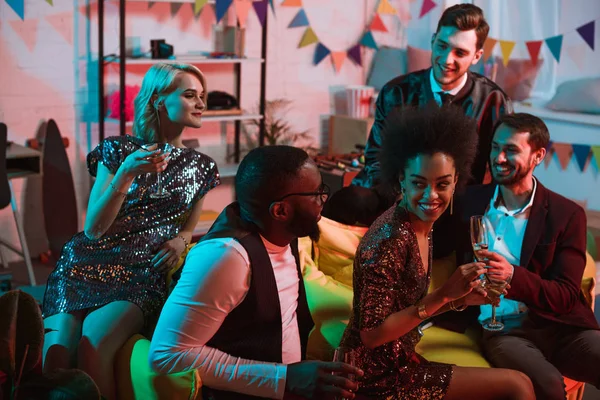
[{"x": 323, "y": 194}]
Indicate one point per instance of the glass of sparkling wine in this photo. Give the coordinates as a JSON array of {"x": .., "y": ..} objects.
[
  {"x": 479, "y": 237},
  {"x": 494, "y": 290},
  {"x": 161, "y": 192},
  {"x": 345, "y": 355}
]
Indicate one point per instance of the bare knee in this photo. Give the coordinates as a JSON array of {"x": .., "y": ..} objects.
[{"x": 522, "y": 388}]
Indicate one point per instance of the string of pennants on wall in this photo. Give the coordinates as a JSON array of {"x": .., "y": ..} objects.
[
  {"x": 241, "y": 7},
  {"x": 586, "y": 32},
  {"x": 367, "y": 40},
  {"x": 566, "y": 151}
]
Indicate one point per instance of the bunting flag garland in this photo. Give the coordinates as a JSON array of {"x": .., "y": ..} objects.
[
  {"x": 566, "y": 151},
  {"x": 63, "y": 24},
  {"x": 596, "y": 155},
  {"x": 309, "y": 37},
  {"x": 488, "y": 48},
  {"x": 386, "y": 8},
  {"x": 198, "y": 5},
  {"x": 587, "y": 33},
  {"x": 260, "y": 8},
  {"x": 320, "y": 53},
  {"x": 507, "y": 47},
  {"x": 242, "y": 8},
  {"x": 554, "y": 43},
  {"x": 354, "y": 55},
  {"x": 427, "y": 6},
  {"x": 534, "y": 48},
  {"x": 299, "y": 20},
  {"x": 581, "y": 153},
  {"x": 18, "y": 6},
  {"x": 338, "y": 57},
  {"x": 221, "y": 8},
  {"x": 50, "y": 2}
]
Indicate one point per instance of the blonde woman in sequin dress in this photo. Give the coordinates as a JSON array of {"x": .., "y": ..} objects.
[
  {"x": 427, "y": 151},
  {"x": 109, "y": 282}
]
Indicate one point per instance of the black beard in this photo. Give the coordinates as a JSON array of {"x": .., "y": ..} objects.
[{"x": 516, "y": 178}]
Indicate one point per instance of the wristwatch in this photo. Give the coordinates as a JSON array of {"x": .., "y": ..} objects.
[{"x": 422, "y": 311}]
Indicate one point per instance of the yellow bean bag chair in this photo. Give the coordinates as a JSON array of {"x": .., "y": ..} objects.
[{"x": 327, "y": 268}]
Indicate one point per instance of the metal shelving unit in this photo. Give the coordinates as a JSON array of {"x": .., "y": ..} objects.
[{"x": 123, "y": 61}]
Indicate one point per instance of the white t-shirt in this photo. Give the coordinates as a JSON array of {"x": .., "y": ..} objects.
[{"x": 215, "y": 280}]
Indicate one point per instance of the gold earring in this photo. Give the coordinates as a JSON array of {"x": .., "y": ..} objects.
[{"x": 452, "y": 204}]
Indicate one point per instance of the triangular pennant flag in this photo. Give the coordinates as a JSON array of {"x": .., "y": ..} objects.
[
  {"x": 581, "y": 152},
  {"x": 377, "y": 24},
  {"x": 260, "y": 8},
  {"x": 549, "y": 154},
  {"x": 533, "y": 47},
  {"x": 272, "y": 6},
  {"x": 354, "y": 55},
  {"x": 554, "y": 43},
  {"x": 577, "y": 53},
  {"x": 63, "y": 24},
  {"x": 320, "y": 53},
  {"x": 488, "y": 48},
  {"x": 291, "y": 3},
  {"x": 27, "y": 31},
  {"x": 338, "y": 58},
  {"x": 151, "y": 4},
  {"x": 506, "y": 46},
  {"x": 50, "y": 2},
  {"x": 221, "y": 8},
  {"x": 427, "y": 6},
  {"x": 299, "y": 20},
  {"x": 386, "y": 8},
  {"x": 308, "y": 37},
  {"x": 18, "y": 6},
  {"x": 175, "y": 7},
  {"x": 198, "y": 5},
  {"x": 563, "y": 151},
  {"x": 596, "y": 153},
  {"x": 368, "y": 40},
  {"x": 587, "y": 33},
  {"x": 242, "y": 7}
]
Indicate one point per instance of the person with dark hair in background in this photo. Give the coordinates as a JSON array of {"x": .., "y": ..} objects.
[
  {"x": 456, "y": 45},
  {"x": 392, "y": 268},
  {"x": 239, "y": 312},
  {"x": 537, "y": 243}
]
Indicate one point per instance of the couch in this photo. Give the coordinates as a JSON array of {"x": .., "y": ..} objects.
[{"x": 327, "y": 268}]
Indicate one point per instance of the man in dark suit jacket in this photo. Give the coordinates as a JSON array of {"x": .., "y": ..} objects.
[{"x": 537, "y": 242}]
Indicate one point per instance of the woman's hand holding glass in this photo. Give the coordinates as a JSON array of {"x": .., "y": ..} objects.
[
  {"x": 144, "y": 161},
  {"x": 463, "y": 281}
]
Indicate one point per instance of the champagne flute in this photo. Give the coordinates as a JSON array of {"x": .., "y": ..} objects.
[
  {"x": 494, "y": 290},
  {"x": 479, "y": 240},
  {"x": 161, "y": 192},
  {"x": 345, "y": 355}
]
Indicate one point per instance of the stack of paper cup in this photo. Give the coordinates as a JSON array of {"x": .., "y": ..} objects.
[{"x": 359, "y": 100}]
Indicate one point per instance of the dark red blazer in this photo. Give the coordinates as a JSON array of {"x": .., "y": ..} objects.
[{"x": 553, "y": 255}]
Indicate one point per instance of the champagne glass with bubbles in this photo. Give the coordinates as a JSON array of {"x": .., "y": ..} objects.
[
  {"x": 494, "y": 288},
  {"x": 161, "y": 192}
]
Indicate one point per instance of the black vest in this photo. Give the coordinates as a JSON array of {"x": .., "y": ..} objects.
[{"x": 253, "y": 329}]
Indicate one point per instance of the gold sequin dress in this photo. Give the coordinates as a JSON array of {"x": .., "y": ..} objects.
[
  {"x": 389, "y": 277},
  {"x": 92, "y": 273}
]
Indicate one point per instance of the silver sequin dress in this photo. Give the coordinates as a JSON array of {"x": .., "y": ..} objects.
[
  {"x": 389, "y": 277},
  {"x": 91, "y": 273}
]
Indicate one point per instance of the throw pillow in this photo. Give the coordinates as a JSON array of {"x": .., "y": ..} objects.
[
  {"x": 418, "y": 59},
  {"x": 581, "y": 95}
]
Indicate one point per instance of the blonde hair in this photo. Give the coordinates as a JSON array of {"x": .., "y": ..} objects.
[{"x": 159, "y": 80}]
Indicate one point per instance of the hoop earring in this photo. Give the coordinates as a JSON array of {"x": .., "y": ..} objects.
[{"x": 452, "y": 204}]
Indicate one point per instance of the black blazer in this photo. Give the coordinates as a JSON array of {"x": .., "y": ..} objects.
[{"x": 553, "y": 255}]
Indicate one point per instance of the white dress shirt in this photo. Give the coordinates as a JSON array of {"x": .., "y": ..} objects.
[
  {"x": 215, "y": 280},
  {"x": 506, "y": 230},
  {"x": 437, "y": 89}
]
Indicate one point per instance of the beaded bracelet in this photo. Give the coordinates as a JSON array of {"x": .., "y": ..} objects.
[{"x": 187, "y": 245}]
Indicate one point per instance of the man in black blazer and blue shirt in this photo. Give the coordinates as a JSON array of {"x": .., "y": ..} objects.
[{"x": 537, "y": 242}]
